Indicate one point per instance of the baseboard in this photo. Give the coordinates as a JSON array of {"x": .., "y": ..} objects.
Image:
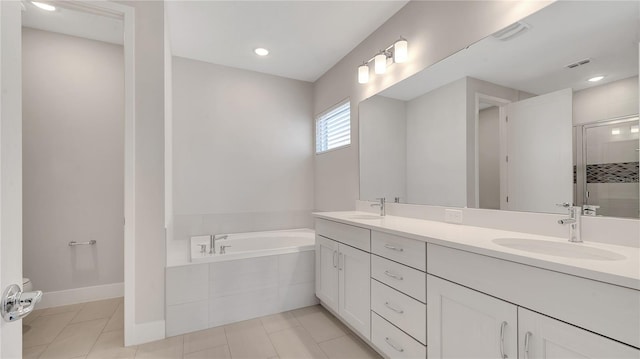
[
  {"x": 80, "y": 295},
  {"x": 145, "y": 333}
]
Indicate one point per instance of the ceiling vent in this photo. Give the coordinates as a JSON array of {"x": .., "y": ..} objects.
[
  {"x": 511, "y": 31},
  {"x": 578, "y": 63}
]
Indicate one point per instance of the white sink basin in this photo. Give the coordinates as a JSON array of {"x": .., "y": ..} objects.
[
  {"x": 559, "y": 249},
  {"x": 365, "y": 216}
]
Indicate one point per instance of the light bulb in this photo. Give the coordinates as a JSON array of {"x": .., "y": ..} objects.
[
  {"x": 363, "y": 74},
  {"x": 400, "y": 53},
  {"x": 44, "y": 6},
  {"x": 261, "y": 51},
  {"x": 380, "y": 63}
]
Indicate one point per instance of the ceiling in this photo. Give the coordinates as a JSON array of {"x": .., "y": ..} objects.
[
  {"x": 75, "y": 22},
  {"x": 534, "y": 61},
  {"x": 305, "y": 38}
]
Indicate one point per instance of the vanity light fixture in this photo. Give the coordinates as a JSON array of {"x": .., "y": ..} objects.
[
  {"x": 44, "y": 6},
  {"x": 397, "y": 52},
  {"x": 260, "y": 51},
  {"x": 596, "y": 79}
]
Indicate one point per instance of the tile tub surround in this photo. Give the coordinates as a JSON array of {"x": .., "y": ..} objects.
[
  {"x": 479, "y": 240},
  {"x": 309, "y": 332},
  {"x": 207, "y": 295}
]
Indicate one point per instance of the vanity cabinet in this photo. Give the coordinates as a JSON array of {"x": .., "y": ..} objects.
[
  {"x": 343, "y": 272},
  {"x": 464, "y": 323},
  {"x": 484, "y": 307},
  {"x": 398, "y": 296}
]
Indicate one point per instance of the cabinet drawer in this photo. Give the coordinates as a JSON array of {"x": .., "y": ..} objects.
[
  {"x": 354, "y": 236},
  {"x": 403, "y": 311},
  {"x": 393, "y": 342},
  {"x": 404, "y": 250},
  {"x": 407, "y": 280}
]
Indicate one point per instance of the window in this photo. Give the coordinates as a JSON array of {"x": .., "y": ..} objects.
[{"x": 333, "y": 128}]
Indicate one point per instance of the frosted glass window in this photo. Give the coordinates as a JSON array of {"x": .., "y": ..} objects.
[{"x": 333, "y": 128}]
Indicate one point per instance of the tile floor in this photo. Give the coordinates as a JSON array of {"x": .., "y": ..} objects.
[{"x": 96, "y": 330}]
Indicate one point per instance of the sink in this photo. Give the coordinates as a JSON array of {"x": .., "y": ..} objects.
[
  {"x": 365, "y": 216},
  {"x": 558, "y": 249}
]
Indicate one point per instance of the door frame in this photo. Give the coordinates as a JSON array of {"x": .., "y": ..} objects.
[
  {"x": 127, "y": 14},
  {"x": 501, "y": 103}
]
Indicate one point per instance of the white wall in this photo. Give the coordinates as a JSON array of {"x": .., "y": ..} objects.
[
  {"x": 383, "y": 143},
  {"x": 149, "y": 166},
  {"x": 242, "y": 151},
  {"x": 435, "y": 30},
  {"x": 605, "y": 102},
  {"x": 436, "y": 146},
  {"x": 73, "y": 160}
]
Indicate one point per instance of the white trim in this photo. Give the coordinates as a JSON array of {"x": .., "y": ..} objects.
[
  {"x": 146, "y": 332},
  {"x": 80, "y": 295}
]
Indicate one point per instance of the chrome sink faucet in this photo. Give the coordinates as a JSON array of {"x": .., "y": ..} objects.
[
  {"x": 212, "y": 242},
  {"x": 381, "y": 203},
  {"x": 574, "y": 221}
]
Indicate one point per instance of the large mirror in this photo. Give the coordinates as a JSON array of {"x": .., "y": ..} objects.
[{"x": 542, "y": 112}]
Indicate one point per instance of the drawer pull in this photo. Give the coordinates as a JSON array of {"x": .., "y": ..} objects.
[
  {"x": 399, "y": 311},
  {"x": 502, "y": 354},
  {"x": 393, "y": 248},
  {"x": 394, "y": 276},
  {"x": 393, "y": 345}
]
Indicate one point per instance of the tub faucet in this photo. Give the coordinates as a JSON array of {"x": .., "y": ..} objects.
[
  {"x": 574, "y": 221},
  {"x": 212, "y": 242},
  {"x": 381, "y": 204}
]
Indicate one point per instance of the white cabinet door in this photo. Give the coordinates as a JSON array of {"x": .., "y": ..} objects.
[
  {"x": 544, "y": 337},
  {"x": 327, "y": 272},
  {"x": 355, "y": 294},
  {"x": 463, "y": 323}
]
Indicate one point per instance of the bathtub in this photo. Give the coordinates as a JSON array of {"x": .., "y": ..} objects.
[
  {"x": 261, "y": 273},
  {"x": 251, "y": 244}
]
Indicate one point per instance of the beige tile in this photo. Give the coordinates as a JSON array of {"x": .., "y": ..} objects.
[
  {"x": 244, "y": 325},
  {"x": 75, "y": 340},
  {"x": 111, "y": 345},
  {"x": 63, "y": 309},
  {"x": 348, "y": 347},
  {"x": 33, "y": 352},
  {"x": 219, "y": 352},
  {"x": 116, "y": 322},
  {"x": 321, "y": 325},
  {"x": 280, "y": 321},
  {"x": 204, "y": 339},
  {"x": 166, "y": 348},
  {"x": 248, "y": 339},
  {"x": 307, "y": 310},
  {"x": 45, "y": 329},
  {"x": 295, "y": 343},
  {"x": 31, "y": 317},
  {"x": 97, "y": 310}
]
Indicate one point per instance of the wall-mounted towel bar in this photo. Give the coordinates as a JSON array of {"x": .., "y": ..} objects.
[{"x": 90, "y": 243}]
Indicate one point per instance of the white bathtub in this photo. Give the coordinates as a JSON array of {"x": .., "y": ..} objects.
[
  {"x": 252, "y": 244},
  {"x": 262, "y": 273}
]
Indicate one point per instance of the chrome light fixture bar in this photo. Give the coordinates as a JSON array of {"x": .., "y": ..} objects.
[{"x": 398, "y": 51}]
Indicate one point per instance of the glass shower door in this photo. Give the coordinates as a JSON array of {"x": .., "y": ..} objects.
[{"x": 611, "y": 158}]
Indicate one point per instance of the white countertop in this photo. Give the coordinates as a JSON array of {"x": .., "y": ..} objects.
[{"x": 624, "y": 272}]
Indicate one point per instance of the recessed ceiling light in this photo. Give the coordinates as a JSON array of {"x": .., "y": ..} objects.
[
  {"x": 596, "y": 78},
  {"x": 261, "y": 51},
  {"x": 44, "y": 6}
]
